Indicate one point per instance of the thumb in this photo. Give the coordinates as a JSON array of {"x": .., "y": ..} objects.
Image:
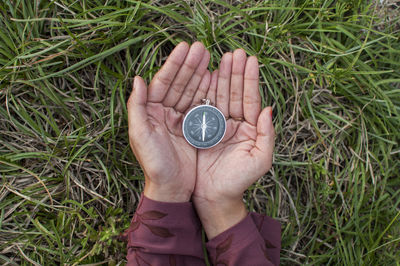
[
  {"x": 265, "y": 141},
  {"x": 136, "y": 105}
]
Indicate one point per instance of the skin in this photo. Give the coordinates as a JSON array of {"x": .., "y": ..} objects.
[
  {"x": 225, "y": 171},
  {"x": 155, "y": 115},
  {"x": 216, "y": 178}
]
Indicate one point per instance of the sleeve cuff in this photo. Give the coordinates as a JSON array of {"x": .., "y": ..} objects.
[
  {"x": 165, "y": 228},
  {"x": 178, "y": 213},
  {"x": 256, "y": 239}
]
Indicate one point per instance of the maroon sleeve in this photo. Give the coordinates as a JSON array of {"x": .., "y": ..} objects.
[
  {"x": 256, "y": 240},
  {"x": 165, "y": 234}
]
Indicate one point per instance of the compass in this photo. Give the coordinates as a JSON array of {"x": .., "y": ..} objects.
[{"x": 204, "y": 126}]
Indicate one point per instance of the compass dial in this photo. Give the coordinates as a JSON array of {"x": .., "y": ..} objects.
[{"x": 204, "y": 126}]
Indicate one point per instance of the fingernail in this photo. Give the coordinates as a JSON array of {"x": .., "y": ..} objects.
[{"x": 134, "y": 82}]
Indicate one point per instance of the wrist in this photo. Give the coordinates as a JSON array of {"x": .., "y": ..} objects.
[
  {"x": 218, "y": 216},
  {"x": 164, "y": 193}
]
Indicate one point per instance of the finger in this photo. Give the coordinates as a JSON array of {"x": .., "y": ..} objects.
[
  {"x": 137, "y": 115},
  {"x": 193, "y": 84},
  {"x": 265, "y": 140},
  {"x": 251, "y": 93},
  {"x": 162, "y": 80},
  {"x": 185, "y": 73},
  {"x": 203, "y": 88},
  {"x": 212, "y": 91},
  {"x": 224, "y": 79},
  {"x": 237, "y": 77}
]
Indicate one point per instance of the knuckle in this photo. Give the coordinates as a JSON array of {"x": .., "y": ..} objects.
[
  {"x": 236, "y": 96},
  {"x": 248, "y": 99},
  {"x": 129, "y": 102},
  {"x": 221, "y": 97},
  {"x": 164, "y": 79},
  {"x": 189, "y": 91},
  {"x": 178, "y": 88}
]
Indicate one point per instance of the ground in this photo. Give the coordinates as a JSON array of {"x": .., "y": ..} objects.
[{"x": 330, "y": 69}]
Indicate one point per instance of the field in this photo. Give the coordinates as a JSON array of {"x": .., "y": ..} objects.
[{"x": 330, "y": 69}]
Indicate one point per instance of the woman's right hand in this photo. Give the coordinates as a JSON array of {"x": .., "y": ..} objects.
[{"x": 225, "y": 171}]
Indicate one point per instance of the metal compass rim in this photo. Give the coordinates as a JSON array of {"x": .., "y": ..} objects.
[{"x": 188, "y": 115}]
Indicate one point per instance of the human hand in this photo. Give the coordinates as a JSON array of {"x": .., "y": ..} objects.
[
  {"x": 225, "y": 171},
  {"x": 155, "y": 118}
]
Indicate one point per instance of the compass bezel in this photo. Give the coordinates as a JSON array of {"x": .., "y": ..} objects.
[{"x": 199, "y": 144}]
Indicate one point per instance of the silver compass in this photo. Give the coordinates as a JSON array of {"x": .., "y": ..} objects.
[{"x": 204, "y": 126}]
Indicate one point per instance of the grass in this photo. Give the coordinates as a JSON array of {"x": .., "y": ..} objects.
[{"x": 70, "y": 184}]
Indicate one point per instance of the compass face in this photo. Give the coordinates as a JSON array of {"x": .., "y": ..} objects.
[{"x": 204, "y": 126}]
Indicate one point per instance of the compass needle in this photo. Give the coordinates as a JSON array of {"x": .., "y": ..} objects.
[{"x": 203, "y": 127}]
